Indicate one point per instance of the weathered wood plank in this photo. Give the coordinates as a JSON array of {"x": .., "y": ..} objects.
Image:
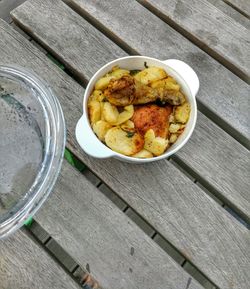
[
  {"x": 179, "y": 210},
  {"x": 95, "y": 232},
  {"x": 219, "y": 164},
  {"x": 230, "y": 11},
  {"x": 211, "y": 29},
  {"x": 6, "y": 6},
  {"x": 50, "y": 29},
  {"x": 24, "y": 264},
  {"x": 242, "y": 5},
  {"x": 104, "y": 49},
  {"x": 222, "y": 93}
]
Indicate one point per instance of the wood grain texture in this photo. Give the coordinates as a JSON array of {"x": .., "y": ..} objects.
[
  {"x": 211, "y": 29},
  {"x": 213, "y": 157},
  {"x": 199, "y": 228},
  {"x": 24, "y": 265},
  {"x": 221, "y": 92},
  {"x": 6, "y": 6},
  {"x": 230, "y": 11},
  {"x": 95, "y": 232},
  {"x": 241, "y": 5},
  {"x": 179, "y": 210},
  {"x": 212, "y": 167},
  {"x": 73, "y": 31}
]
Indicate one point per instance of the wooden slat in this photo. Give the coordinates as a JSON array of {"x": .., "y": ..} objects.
[
  {"x": 214, "y": 158},
  {"x": 241, "y": 5},
  {"x": 24, "y": 264},
  {"x": 211, "y": 29},
  {"x": 180, "y": 211},
  {"x": 89, "y": 226},
  {"x": 230, "y": 11},
  {"x": 223, "y": 94},
  {"x": 6, "y": 6},
  {"x": 104, "y": 49},
  {"x": 213, "y": 167}
]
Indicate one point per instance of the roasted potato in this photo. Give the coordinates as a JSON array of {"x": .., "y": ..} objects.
[
  {"x": 143, "y": 154},
  {"x": 182, "y": 112},
  {"x": 150, "y": 74},
  {"x": 127, "y": 143},
  {"x": 103, "y": 82},
  {"x": 100, "y": 128},
  {"x": 118, "y": 73},
  {"x": 97, "y": 95},
  {"x": 166, "y": 83},
  {"x": 176, "y": 127},
  {"x": 152, "y": 117},
  {"x": 156, "y": 145},
  {"x": 94, "y": 108},
  {"x": 171, "y": 118},
  {"x": 125, "y": 115},
  {"x": 173, "y": 137},
  {"x": 110, "y": 113},
  {"x": 128, "y": 126}
]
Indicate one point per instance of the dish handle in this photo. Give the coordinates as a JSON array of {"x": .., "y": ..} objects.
[
  {"x": 89, "y": 142},
  {"x": 187, "y": 73}
]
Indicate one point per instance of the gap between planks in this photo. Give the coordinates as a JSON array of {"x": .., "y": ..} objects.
[
  {"x": 195, "y": 40},
  {"x": 76, "y": 272},
  {"x": 237, "y": 8},
  {"x": 79, "y": 273}
]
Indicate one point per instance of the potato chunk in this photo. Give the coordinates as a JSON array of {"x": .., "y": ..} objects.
[
  {"x": 125, "y": 115},
  {"x": 166, "y": 83},
  {"x": 156, "y": 145},
  {"x": 182, "y": 112},
  {"x": 118, "y": 73},
  {"x": 97, "y": 95},
  {"x": 110, "y": 113},
  {"x": 100, "y": 128},
  {"x": 174, "y": 127},
  {"x": 124, "y": 142},
  {"x": 150, "y": 74},
  {"x": 143, "y": 154},
  {"x": 128, "y": 126},
  {"x": 94, "y": 108},
  {"x": 173, "y": 137},
  {"x": 103, "y": 82}
]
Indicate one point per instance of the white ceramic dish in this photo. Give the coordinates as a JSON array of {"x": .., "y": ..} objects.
[{"x": 184, "y": 75}]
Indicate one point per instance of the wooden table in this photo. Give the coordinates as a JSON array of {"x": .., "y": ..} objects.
[{"x": 178, "y": 223}]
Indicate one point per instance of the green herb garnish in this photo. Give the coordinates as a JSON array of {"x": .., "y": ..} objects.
[
  {"x": 134, "y": 72},
  {"x": 145, "y": 64},
  {"x": 130, "y": 134}
]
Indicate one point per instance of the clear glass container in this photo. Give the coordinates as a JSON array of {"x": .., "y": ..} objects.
[{"x": 32, "y": 141}]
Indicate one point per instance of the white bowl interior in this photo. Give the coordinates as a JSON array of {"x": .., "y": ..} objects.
[{"x": 137, "y": 62}]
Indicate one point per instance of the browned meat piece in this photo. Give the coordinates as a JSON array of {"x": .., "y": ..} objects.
[
  {"x": 127, "y": 90},
  {"x": 121, "y": 91},
  {"x": 152, "y": 117}
]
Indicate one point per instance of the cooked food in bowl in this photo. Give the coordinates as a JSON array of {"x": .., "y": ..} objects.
[{"x": 138, "y": 113}]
